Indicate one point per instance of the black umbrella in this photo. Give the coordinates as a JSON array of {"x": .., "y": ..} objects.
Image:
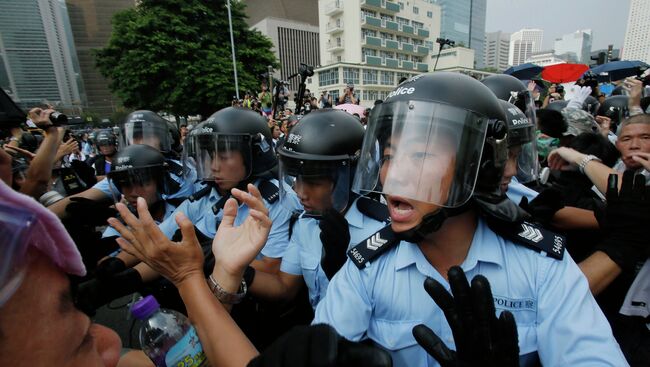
[
  {"x": 525, "y": 71},
  {"x": 10, "y": 113},
  {"x": 617, "y": 70}
]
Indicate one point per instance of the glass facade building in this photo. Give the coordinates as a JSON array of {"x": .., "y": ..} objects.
[{"x": 463, "y": 21}]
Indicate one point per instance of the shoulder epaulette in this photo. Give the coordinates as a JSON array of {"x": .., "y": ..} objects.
[
  {"x": 534, "y": 237},
  {"x": 175, "y": 202},
  {"x": 175, "y": 168},
  {"x": 199, "y": 194},
  {"x": 270, "y": 192},
  {"x": 373, "y": 247},
  {"x": 373, "y": 209}
]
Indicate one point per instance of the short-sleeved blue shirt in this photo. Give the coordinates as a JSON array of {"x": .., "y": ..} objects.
[
  {"x": 201, "y": 215},
  {"x": 305, "y": 249},
  {"x": 557, "y": 317}
]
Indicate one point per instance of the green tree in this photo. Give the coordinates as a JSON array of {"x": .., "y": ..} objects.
[{"x": 174, "y": 56}]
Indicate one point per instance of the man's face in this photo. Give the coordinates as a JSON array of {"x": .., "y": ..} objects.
[
  {"x": 152, "y": 141},
  {"x": 633, "y": 138},
  {"x": 511, "y": 166},
  {"x": 40, "y": 325},
  {"x": 183, "y": 131},
  {"x": 418, "y": 170},
  {"x": 228, "y": 169},
  {"x": 276, "y": 132},
  {"x": 147, "y": 190},
  {"x": 315, "y": 194},
  {"x": 107, "y": 149}
]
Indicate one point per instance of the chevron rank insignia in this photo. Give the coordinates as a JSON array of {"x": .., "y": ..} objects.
[
  {"x": 540, "y": 239},
  {"x": 372, "y": 247}
]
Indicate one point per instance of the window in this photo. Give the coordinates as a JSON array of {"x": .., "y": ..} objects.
[
  {"x": 387, "y": 78},
  {"x": 416, "y": 10},
  {"x": 386, "y": 17},
  {"x": 367, "y": 32},
  {"x": 402, "y": 57},
  {"x": 402, "y": 21},
  {"x": 386, "y": 36},
  {"x": 401, "y": 5},
  {"x": 351, "y": 75},
  {"x": 369, "y": 76},
  {"x": 430, "y": 14},
  {"x": 328, "y": 77},
  {"x": 335, "y": 94},
  {"x": 367, "y": 13},
  {"x": 370, "y": 95},
  {"x": 401, "y": 75},
  {"x": 417, "y": 25},
  {"x": 385, "y": 54}
]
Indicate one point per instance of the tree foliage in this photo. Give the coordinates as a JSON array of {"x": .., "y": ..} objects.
[{"x": 174, "y": 55}]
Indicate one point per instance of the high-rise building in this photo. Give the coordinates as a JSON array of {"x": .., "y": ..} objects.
[
  {"x": 37, "y": 57},
  {"x": 545, "y": 58},
  {"x": 636, "y": 46},
  {"x": 575, "y": 47},
  {"x": 397, "y": 40},
  {"x": 463, "y": 21},
  {"x": 91, "y": 26},
  {"x": 296, "y": 10},
  {"x": 523, "y": 43},
  {"x": 294, "y": 43},
  {"x": 497, "y": 46}
]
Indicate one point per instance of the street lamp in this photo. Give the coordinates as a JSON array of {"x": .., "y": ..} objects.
[
  {"x": 232, "y": 50},
  {"x": 442, "y": 42}
]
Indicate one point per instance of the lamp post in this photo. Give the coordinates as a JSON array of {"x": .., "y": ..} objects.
[
  {"x": 232, "y": 50},
  {"x": 442, "y": 42}
]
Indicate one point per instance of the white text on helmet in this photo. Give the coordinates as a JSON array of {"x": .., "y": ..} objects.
[{"x": 400, "y": 91}]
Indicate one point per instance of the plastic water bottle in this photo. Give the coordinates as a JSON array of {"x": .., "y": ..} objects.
[{"x": 167, "y": 336}]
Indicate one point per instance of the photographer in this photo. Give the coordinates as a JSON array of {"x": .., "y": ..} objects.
[
  {"x": 348, "y": 95},
  {"x": 325, "y": 100}
]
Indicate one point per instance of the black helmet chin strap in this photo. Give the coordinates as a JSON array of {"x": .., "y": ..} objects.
[{"x": 431, "y": 223}]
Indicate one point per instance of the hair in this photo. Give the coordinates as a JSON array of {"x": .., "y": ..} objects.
[
  {"x": 643, "y": 118},
  {"x": 598, "y": 145}
]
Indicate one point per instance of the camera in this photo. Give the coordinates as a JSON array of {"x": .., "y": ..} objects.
[
  {"x": 305, "y": 70},
  {"x": 559, "y": 89},
  {"x": 58, "y": 119}
]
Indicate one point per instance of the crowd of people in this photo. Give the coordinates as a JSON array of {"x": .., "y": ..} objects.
[{"x": 457, "y": 223}]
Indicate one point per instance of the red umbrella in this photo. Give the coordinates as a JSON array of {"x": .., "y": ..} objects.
[{"x": 563, "y": 73}]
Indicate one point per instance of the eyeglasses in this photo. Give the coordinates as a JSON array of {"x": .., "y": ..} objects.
[{"x": 16, "y": 227}]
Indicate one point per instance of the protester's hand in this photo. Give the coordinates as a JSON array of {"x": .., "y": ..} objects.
[
  {"x": 634, "y": 89},
  {"x": 531, "y": 86},
  {"x": 319, "y": 345},
  {"x": 17, "y": 150},
  {"x": 176, "y": 261},
  {"x": 626, "y": 219},
  {"x": 335, "y": 236},
  {"x": 604, "y": 125},
  {"x": 66, "y": 148},
  {"x": 544, "y": 206},
  {"x": 41, "y": 117},
  {"x": 579, "y": 96},
  {"x": 564, "y": 159},
  {"x": 643, "y": 159},
  {"x": 481, "y": 339},
  {"x": 234, "y": 248},
  {"x": 91, "y": 212}
]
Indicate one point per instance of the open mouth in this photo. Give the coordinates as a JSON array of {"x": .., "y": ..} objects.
[{"x": 400, "y": 209}]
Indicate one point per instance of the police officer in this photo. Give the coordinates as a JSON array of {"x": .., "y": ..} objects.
[
  {"x": 423, "y": 151},
  {"x": 107, "y": 145},
  {"x": 140, "y": 127},
  {"x": 318, "y": 160}
]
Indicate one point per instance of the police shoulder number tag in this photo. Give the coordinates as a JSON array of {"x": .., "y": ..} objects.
[{"x": 372, "y": 247}]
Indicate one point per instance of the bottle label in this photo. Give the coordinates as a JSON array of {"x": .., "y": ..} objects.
[{"x": 187, "y": 352}]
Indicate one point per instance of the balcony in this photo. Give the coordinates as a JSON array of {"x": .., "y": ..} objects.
[
  {"x": 372, "y": 41},
  {"x": 333, "y": 28},
  {"x": 423, "y": 33},
  {"x": 391, "y": 44},
  {"x": 422, "y": 50},
  {"x": 392, "y": 7},
  {"x": 407, "y": 29},
  {"x": 391, "y": 25},
  {"x": 333, "y": 8},
  {"x": 373, "y": 60},
  {"x": 407, "y": 47},
  {"x": 387, "y": 6},
  {"x": 335, "y": 46},
  {"x": 422, "y": 67},
  {"x": 372, "y": 21},
  {"x": 407, "y": 65},
  {"x": 392, "y": 63}
]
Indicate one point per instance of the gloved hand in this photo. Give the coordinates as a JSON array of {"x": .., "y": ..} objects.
[
  {"x": 625, "y": 220},
  {"x": 335, "y": 236},
  {"x": 319, "y": 345},
  {"x": 91, "y": 212},
  {"x": 481, "y": 339},
  {"x": 543, "y": 207},
  {"x": 109, "y": 267},
  {"x": 91, "y": 295},
  {"x": 578, "y": 97}
]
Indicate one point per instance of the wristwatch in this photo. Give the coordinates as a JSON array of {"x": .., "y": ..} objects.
[
  {"x": 585, "y": 160},
  {"x": 226, "y": 297}
]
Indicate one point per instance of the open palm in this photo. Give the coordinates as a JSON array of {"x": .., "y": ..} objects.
[{"x": 235, "y": 247}]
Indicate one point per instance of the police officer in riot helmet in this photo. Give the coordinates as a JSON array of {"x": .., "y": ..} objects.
[
  {"x": 616, "y": 108},
  {"x": 522, "y": 155},
  {"x": 436, "y": 149},
  {"x": 107, "y": 145}
]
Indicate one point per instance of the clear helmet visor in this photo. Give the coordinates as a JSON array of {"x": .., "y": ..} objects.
[
  {"x": 155, "y": 135},
  {"x": 527, "y": 164},
  {"x": 319, "y": 184},
  {"x": 424, "y": 151},
  {"x": 129, "y": 184},
  {"x": 219, "y": 158}
]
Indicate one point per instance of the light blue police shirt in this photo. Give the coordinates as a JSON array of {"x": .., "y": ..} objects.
[
  {"x": 201, "y": 215},
  {"x": 111, "y": 232},
  {"x": 516, "y": 191},
  {"x": 556, "y": 315},
  {"x": 305, "y": 249},
  {"x": 188, "y": 185}
]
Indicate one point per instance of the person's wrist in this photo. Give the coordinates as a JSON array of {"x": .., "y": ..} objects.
[
  {"x": 192, "y": 279},
  {"x": 229, "y": 280}
]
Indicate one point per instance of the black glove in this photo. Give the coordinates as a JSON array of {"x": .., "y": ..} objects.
[
  {"x": 91, "y": 295},
  {"x": 335, "y": 236},
  {"x": 544, "y": 206},
  {"x": 626, "y": 219},
  {"x": 109, "y": 267},
  {"x": 91, "y": 212},
  {"x": 481, "y": 339},
  {"x": 319, "y": 345}
]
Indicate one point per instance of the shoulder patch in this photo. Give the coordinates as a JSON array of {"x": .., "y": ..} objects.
[
  {"x": 373, "y": 209},
  {"x": 373, "y": 247},
  {"x": 536, "y": 238},
  {"x": 270, "y": 192}
]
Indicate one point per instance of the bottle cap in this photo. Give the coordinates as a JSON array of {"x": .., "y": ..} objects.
[{"x": 145, "y": 307}]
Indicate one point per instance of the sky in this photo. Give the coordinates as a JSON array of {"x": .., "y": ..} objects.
[{"x": 606, "y": 18}]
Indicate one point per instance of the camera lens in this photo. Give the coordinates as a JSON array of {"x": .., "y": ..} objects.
[{"x": 57, "y": 118}]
